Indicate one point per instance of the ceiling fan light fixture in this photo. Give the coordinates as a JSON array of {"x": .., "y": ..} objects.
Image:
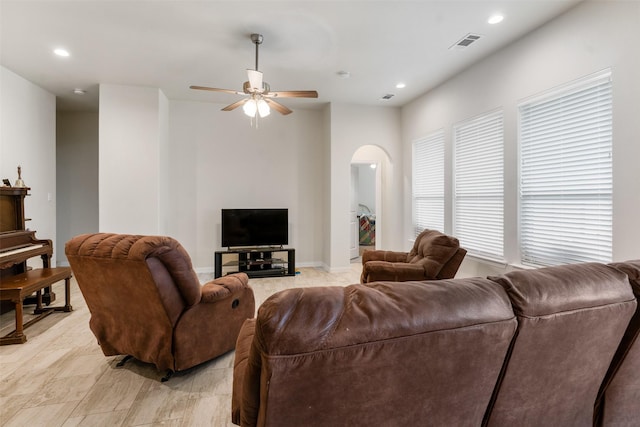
[
  {"x": 250, "y": 107},
  {"x": 263, "y": 108}
]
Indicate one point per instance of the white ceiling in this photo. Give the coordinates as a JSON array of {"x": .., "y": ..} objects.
[{"x": 174, "y": 44}]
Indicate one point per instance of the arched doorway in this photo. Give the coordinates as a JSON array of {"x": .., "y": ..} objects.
[{"x": 368, "y": 165}]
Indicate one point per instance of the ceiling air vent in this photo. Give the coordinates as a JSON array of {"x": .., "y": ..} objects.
[
  {"x": 386, "y": 97},
  {"x": 465, "y": 41}
]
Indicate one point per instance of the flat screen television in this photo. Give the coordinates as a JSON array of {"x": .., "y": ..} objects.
[{"x": 255, "y": 227}]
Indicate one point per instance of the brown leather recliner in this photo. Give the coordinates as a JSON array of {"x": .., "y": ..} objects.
[
  {"x": 618, "y": 402},
  {"x": 146, "y": 301},
  {"x": 434, "y": 256}
]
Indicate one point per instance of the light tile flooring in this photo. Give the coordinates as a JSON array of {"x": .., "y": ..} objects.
[{"x": 60, "y": 377}]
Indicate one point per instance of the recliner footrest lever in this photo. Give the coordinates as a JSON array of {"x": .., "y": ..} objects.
[
  {"x": 124, "y": 360},
  {"x": 167, "y": 376}
]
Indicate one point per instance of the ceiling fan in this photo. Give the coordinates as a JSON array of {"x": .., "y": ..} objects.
[{"x": 260, "y": 99}]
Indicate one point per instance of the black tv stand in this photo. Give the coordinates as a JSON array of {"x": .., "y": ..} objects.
[{"x": 256, "y": 262}]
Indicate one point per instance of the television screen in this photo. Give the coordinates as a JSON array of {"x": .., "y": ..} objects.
[{"x": 255, "y": 227}]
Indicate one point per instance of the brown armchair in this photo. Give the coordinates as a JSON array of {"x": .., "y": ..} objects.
[
  {"x": 434, "y": 256},
  {"x": 147, "y": 302}
]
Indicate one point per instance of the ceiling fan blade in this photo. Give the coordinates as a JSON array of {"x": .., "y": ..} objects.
[
  {"x": 215, "y": 89},
  {"x": 278, "y": 107},
  {"x": 294, "y": 94},
  {"x": 235, "y": 105},
  {"x": 255, "y": 79}
]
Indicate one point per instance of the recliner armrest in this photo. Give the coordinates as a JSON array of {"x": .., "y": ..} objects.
[
  {"x": 389, "y": 256},
  {"x": 451, "y": 267},
  {"x": 376, "y": 271},
  {"x": 223, "y": 287}
]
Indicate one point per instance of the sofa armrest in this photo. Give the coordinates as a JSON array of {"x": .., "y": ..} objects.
[
  {"x": 243, "y": 345},
  {"x": 376, "y": 271},
  {"x": 223, "y": 287},
  {"x": 389, "y": 256}
]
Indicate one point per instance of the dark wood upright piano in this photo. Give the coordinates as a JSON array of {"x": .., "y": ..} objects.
[
  {"x": 18, "y": 282},
  {"x": 17, "y": 244}
]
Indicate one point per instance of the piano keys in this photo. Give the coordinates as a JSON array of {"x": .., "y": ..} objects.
[{"x": 16, "y": 247}]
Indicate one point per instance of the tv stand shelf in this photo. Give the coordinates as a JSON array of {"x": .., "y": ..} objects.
[{"x": 256, "y": 262}]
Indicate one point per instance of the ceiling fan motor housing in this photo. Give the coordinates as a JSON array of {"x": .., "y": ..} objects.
[{"x": 256, "y": 38}]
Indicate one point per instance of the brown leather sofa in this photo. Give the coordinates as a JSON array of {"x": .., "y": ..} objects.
[
  {"x": 146, "y": 301},
  {"x": 571, "y": 320},
  {"x": 618, "y": 402},
  {"x": 434, "y": 256},
  {"x": 528, "y": 348}
]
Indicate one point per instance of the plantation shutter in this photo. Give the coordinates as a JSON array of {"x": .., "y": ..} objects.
[
  {"x": 479, "y": 189},
  {"x": 566, "y": 175},
  {"x": 428, "y": 183}
]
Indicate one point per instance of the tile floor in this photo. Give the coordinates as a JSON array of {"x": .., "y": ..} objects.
[{"x": 60, "y": 377}]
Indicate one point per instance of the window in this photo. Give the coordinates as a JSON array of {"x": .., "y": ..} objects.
[
  {"x": 479, "y": 189},
  {"x": 428, "y": 183},
  {"x": 566, "y": 174}
]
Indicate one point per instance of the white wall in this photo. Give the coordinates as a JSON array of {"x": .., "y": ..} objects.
[
  {"x": 218, "y": 160},
  {"x": 132, "y": 132},
  {"x": 164, "y": 165},
  {"x": 593, "y": 36},
  {"x": 27, "y": 138},
  {"x": 326, "y": 180},
  {"x": 211, "y": 160},
  {"x": 77, "y": 176},
  {"x": 169, "y": 166}
]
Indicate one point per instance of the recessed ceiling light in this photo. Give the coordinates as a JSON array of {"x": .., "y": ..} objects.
[
  {"x": 61, "y": 52},
  {"x": 79, "y": 91},
  {"x": 401, "y": 85},
  {"x": 495, "y": 19}
]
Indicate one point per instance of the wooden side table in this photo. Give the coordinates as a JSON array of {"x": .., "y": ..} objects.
[{"x": 17, "y": 288}]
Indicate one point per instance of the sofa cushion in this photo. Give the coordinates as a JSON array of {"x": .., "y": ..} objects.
[
  {"x": 571, "y": 319},
  {"x": 632, "y": 270},
  {"x": 617, "y": 403},
  {"x": 406, "y": 352}
]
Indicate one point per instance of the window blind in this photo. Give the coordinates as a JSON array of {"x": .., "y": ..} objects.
[
  {"x": 428, "y": 183},
  {"x": 479, "y": 185},
  {"x": 566, "y": 175}
]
